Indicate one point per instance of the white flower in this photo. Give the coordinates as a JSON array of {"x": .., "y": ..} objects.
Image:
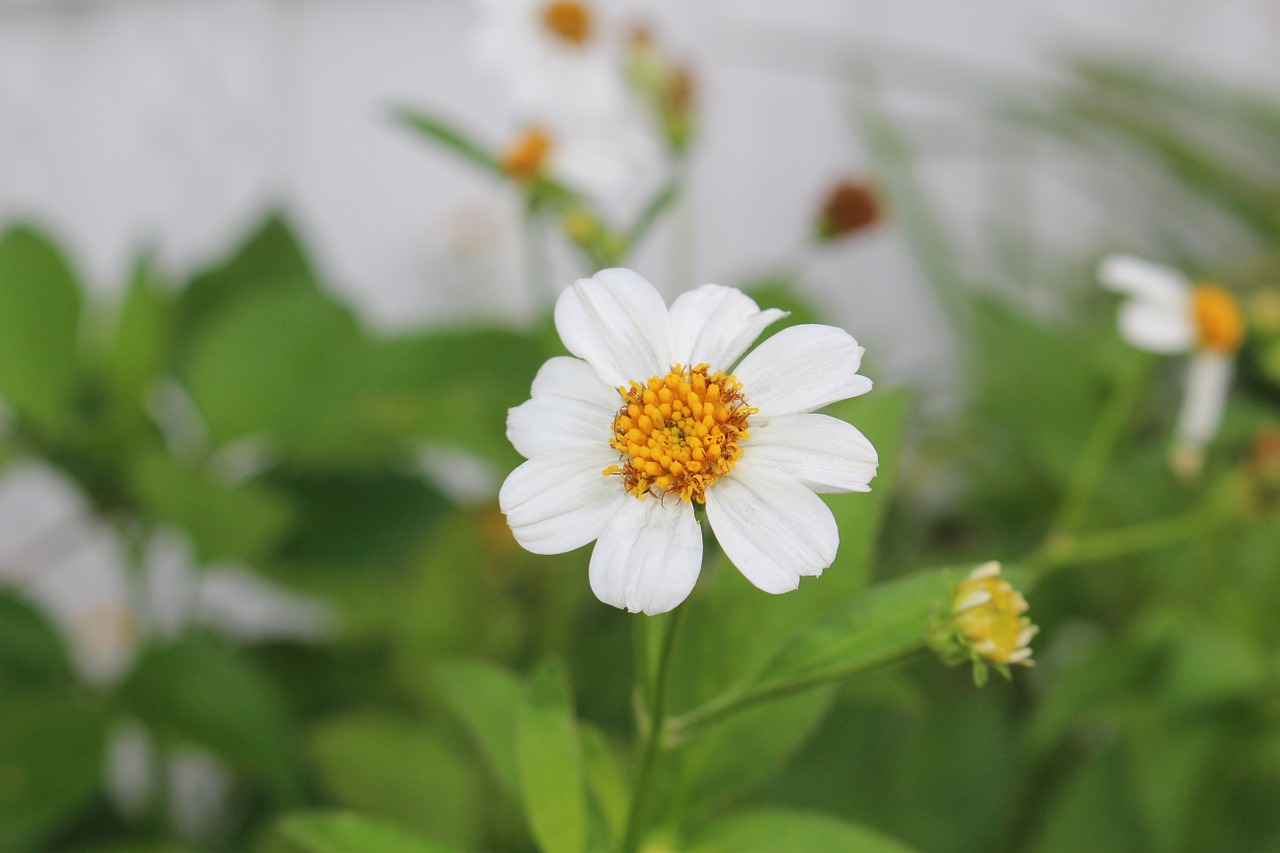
[
  {"x": 601, "y": 160},
  {"x": 555, "y": 56},
  {"x": 622, "y": 441},
  {"x": 1166, "y": 313}
]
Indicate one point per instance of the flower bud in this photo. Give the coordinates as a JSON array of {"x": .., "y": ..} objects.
[
  {"x": 985, "y": 624},
  {"x": 849, "y": 207}
]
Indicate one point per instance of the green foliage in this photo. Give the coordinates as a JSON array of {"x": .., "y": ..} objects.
[
  {"x": 342, "y": 832},
  {"x": 33, "y": 657},
  {"x": 791, "y": 832},
  {"x": 549, "y": 763}
]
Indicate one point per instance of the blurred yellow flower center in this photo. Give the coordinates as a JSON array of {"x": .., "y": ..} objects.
[
  {"x": 569, "y": 21},
  {"x": 988, "y": 613},
  {"x": 679, "y": 433},
  {"x": 526, "y": 157},
  {"x": 1219, "y": 323}
]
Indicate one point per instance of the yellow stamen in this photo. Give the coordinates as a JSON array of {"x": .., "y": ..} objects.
[
  {"x": 988, "y": 614},
  {"x": 526, "y": 157},
  {"x": 679, "y": 433},
  {"x": 1219, "y": 322},
  {"x": 568, "y": 21}
]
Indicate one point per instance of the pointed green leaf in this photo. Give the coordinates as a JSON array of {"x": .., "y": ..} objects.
[
  {"x": 486, "y": 699},
  {"x": 549, "y": 763},
  {"x": 39, "y": 319},
  {"x": 450, "y": 137},
  {"x": 33, "y": 655},
  {"x": 144, "y": 332}
]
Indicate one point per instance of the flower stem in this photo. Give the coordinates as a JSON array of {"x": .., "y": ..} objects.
[
  {"x": 1093, "y": 460},
  {"x": 653, "y": 718},
  {"x": 1066, "y": 549}
]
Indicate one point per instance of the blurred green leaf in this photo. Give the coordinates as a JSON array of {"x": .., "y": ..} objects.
[
  {"x": 144, "y": 332},
  {"x": 607, "y": 780},
  {"x": 271, "y": 260},
  {"x": 277, "y": 363},
  {"x": 438, "y": 130},
  {"x": 549, "y": 763},
  {"x": 1211, "y": 666},
  {"x": 343, "y": 832},
  {"x": 39, "y": 323},
  {"x": 790, "y": 832},
  {"x": 199, "y": 691},
  {"x": 400, "y": 771},
  {"x": 225, "y": 522},
  {"x": 33, "y": 656},
  {"x": 51, "y": 759},
  {"x": 1089, "y": 811},
  {"x": 486, "y": 699}
]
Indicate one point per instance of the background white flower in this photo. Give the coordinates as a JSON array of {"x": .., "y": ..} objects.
[
  {"x": 1166, "y": 313},
  {"x": 763, "y": 511}
]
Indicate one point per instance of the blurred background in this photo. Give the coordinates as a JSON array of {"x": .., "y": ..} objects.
[{"x": 258, "y": 362}]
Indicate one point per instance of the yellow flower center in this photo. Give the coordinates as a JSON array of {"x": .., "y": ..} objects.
[
  {"x": 1219, "y": 323},
  {"x": 568, "y": 21},
  {"x": 988, "y": 613},
  {"x": 679, "y": 433},
  {"x": 526, "y": 157}
]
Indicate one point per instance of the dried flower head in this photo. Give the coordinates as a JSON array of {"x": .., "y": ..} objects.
[{"x": 850, "y": 207}]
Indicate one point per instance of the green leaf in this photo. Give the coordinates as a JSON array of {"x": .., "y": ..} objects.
[
  {"x": 225, "y": 522},
  {"x": 39, "y": 320},
  {"x": 607, "y": 780},
  {"x": 144, "y": 333},
  {"x": 885, "y": 623},
  {"x": 549, "y": 763},
  {"x": 278, "y": 363},
  {"x": 399, "y": 771},
  {"x": 202, "y": 692},
  {"x": 271, "y": 260},
  {"x": 450, "y": 137},
  {"x": 1089, "y": 811},
  {"x": 32, "y": 654},
  {"x": 342, "y": 832},
  {"x": 51, "y": 759},
  {"x": 791, "y": 832},
  {"x": 486, "y": 699}
]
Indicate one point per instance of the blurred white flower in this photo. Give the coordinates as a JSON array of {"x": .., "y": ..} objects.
[
  {"x": 622, "y": 441},
  {"x": 1166, "y": 313},
  {"x": 556, "y": 58},
  {"x": 601, "y": 160}
]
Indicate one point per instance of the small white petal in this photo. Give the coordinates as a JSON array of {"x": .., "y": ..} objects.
[
  {"x": 824, "y": 453},
  {"x": 1020, "y": 656},
  {"x": 989, "y": 569},
  {"x": 771, "y": 527},
  {"x": 618, "y": 323},
  {"x": 648, "y": 557},
  {"x": 573, "y": 379},
  {"x": 974, "y": 599},
  {"x": 715, "y": 325},
  {"x": 570, "y": 408},
  {"x": 1205, "y": 397},
  {"x": 1140, "y": 278},
  {"x": 559, "y": 501},
  {"x": 801, "y": 369},
  {"x": 1157, "y": 327}
]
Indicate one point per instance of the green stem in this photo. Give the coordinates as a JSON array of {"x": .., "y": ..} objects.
[
  {"x": 653, "y": 726},
  {"x": 1066, "y": 549},
  {"x": 1097, "y": 452},
  {"x": 536, "y": 256}
]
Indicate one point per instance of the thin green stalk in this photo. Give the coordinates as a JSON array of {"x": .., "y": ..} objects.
[
  {"x": 537, "y": 257},
  {"x": 1097, "y": 452},
  {"x": 1123, "y": 541},
  {"x": 653, "y": 725}
]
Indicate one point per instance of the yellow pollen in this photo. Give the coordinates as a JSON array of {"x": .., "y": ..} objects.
[
  {"x": 679, "y": 433},
  {"x": 526, "y": 157},
  {"x": 569, "y": 21},
  {"x": 1219, "y": 323},
  {"x": 988, "y": 613}
]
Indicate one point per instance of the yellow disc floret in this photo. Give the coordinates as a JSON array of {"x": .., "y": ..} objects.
[
  {"x": 568, "y": 21},
  {"x": 988, "y": 615},
  {"x": 1219, "y": 322},
  {"x": 526, "y": 157},
  {"x": 679, "y": 433}
]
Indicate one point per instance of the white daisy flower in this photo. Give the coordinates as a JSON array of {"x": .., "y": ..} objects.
[
  {"x": 555, "y": 55},
  {"x": 1166, "y": 313},
  {"x": 600, "y": 160},
  {"x": 659, "y": 412}
]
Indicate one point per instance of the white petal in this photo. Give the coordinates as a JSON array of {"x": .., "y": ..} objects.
[
  {"x": 1156, "y": 327},
  {"x": 560, "y": 501},
  {"x": 570, "y": 408},
  {"x": 715, "y": 325},
  {"x": 1140, "y": 278},
  {"x": 771, "y": 527},
  {"x": 824, "y": 453},
  {"x": 801, "y": 369},
  {"x": 1205, "y": 397},
  {"x": 618, "y": 323},
  {"x": 648, "y": 557}
]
